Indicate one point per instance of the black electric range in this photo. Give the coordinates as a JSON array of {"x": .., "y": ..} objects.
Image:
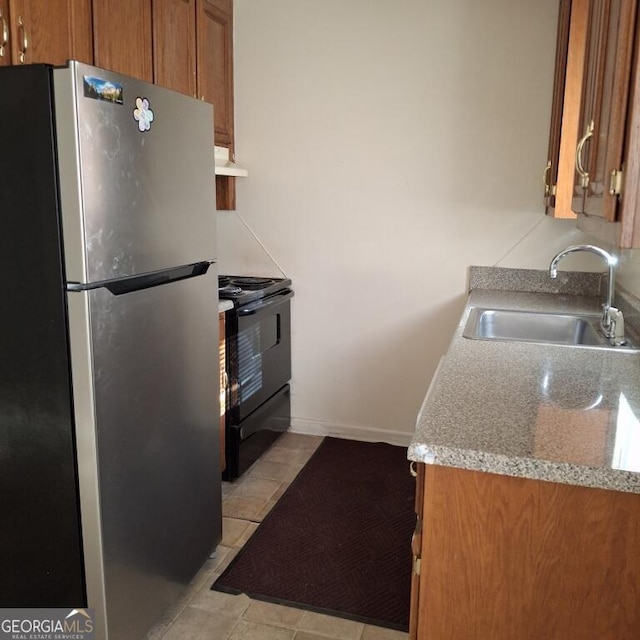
[
  {"x": 245, "y": 289},
  {"x": 258, "y": 364}
]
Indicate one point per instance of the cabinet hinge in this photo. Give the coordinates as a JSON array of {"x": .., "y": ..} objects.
[
  {"x": 549, "y": 189},
  {"x": 615, "y": 186},
  {"x": 416, "y": 565}
]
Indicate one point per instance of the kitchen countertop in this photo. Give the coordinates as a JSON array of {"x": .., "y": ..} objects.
[
  {"x": 544, "y": 412},
  {"x": 224, "y": 305}
]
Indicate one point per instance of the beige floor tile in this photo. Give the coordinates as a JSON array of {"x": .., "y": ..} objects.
[
  {"x": 281, "y": 491},
  {"x": 224, "y": 563},
  {"x": 255, "y": 488},
  {"x": 284, "y": 455},
  {"x": 204, "y": 581},
  {"x": 249, "y": 531},
  {"x": 214, "y": 558},
  {"x": 379, "y": 633},
  {"x": 198, "y": 624},
  {"x": 227, "y": 487},
  {"x": 331, "y": 627},
  {"x": 204, "y": 578},
  {"x": 242, "y": 508},
  {"x": 274, "y": 614},
  {"x": 221, "y": 553},
  {"x": 206, "y": 573},
  {"x": 260, "y": 516},
  {"x": 282, "y": 472},
  {"x": 249, "y": 630},
  {"x": 159, "y": 630},
  {"x": 298, "y": 441},
  {"x": 232, "y": 531},
  {"x": 309, "y": 635},
  {"x": 227, "y": 604}
]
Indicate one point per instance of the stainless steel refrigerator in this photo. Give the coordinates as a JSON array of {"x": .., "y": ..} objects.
[{"x": 109, "y": 444}]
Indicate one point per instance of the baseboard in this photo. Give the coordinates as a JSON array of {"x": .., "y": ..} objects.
[{"x": 350, "y": 432}]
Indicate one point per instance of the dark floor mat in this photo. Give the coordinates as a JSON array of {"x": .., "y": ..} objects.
[{"x": 339, "y": 539}]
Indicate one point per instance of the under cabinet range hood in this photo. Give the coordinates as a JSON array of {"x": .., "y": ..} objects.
[{"x": 224, "y": 166}]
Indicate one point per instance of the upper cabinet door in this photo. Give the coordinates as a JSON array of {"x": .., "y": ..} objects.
[
  {"x": 174, "y": 45},
  {"x": 54, "y": 31},
  {"x": 214, "y": 24},
  {"x": 607, "y": 73},
  {"x": 550, "y": 177},
  {"x": 122, "y": 37}
]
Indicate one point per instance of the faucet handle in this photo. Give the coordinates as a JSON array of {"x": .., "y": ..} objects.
[{"x": 616, "y": 334}]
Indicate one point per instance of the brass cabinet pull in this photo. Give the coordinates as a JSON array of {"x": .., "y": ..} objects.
[
  {"x": 24, "y": 40},
  {"x": 584, "y": 175},
  {"x": 4, "y": 34},
  {"x": 412, "y": 469}
]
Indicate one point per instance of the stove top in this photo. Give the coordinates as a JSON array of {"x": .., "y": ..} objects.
[{"x": 244, "y": 289}]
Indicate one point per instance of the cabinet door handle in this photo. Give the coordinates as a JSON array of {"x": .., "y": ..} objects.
[
  {"x": 584, "y": 175},
  {"x": 23, "y": 41},
  {"x": 4, "y": 34}
]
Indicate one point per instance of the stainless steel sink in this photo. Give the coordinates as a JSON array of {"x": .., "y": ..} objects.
[{"x": 546, "y": 328}]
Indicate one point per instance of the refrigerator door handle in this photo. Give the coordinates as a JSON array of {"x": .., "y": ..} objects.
[{"x": 129, "y": 284}]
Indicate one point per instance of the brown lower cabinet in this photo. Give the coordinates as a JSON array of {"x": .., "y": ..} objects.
[{"x": 505, "y": 558}]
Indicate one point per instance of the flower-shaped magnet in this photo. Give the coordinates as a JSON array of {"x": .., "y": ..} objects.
[{"x": 143, "y": 114}]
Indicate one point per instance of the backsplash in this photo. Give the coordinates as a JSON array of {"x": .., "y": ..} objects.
[{"x": 577, "y": 283}]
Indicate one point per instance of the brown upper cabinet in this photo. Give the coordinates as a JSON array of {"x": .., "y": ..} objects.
[
  {"x": 214, "y": 23},
  {"x": 593, "y": 153},
  {"x": 122, "y": 37},
  {"x": 54, "y": 31},
  {"x": 193, "y": 54},
  {"x": 184, "y": 45},
  {"x": 174, "y": 45},
  {"x": 214, "y": 63},
  {"x": 605, "y": 92},
  {"x": 550, "y": 176}
]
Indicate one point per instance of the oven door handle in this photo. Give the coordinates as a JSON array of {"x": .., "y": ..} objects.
[{"x": 263, "y": 305}]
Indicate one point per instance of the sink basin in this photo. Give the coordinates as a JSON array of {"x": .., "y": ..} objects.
[{"x": 546, "y": 328}]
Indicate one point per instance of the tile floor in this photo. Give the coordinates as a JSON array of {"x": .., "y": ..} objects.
[{"x": 203, "y": 614}]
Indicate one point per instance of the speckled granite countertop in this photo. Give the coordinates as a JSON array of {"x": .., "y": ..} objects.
[
  {"x": 224, "y": 305},
  {"x": 545, "y": 412}
]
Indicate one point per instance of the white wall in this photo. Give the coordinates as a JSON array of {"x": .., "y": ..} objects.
[{"x": 390, "y": 144}]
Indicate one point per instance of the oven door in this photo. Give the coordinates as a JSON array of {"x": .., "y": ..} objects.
[{"x": 260, "y": 353}]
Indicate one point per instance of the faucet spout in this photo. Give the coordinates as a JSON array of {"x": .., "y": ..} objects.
[{"x": 606, "y": 321}]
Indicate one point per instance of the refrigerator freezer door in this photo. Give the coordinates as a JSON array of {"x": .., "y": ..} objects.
[
  {"x": 136, "y": 173},
  {"x": 146, "y": 403}
]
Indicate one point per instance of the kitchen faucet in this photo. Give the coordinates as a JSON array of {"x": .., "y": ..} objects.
[{"x": 612, "y": 321}]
